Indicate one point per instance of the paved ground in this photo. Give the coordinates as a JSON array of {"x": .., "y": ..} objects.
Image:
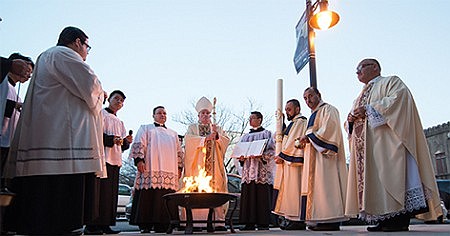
[{"x": 415, "y": 229}]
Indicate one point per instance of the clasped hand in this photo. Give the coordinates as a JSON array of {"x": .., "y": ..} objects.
[
  {"x": 358, "y": 113},
  {"x": 214, "y": 134}
]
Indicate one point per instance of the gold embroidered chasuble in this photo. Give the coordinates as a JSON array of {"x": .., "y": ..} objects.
[
  {"x": 386, "y": 158},
  {"x": 212, "y": 160}
]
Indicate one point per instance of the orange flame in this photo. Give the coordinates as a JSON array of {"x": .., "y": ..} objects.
[{"x": 199, "y": 183}]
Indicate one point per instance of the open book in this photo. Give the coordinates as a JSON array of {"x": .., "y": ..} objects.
[{"x": 255, "y": 148}]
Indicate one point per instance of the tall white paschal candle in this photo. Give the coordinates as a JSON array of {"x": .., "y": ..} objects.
[{"x": 279, "y": 117}]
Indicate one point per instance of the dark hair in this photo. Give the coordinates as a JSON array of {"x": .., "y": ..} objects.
[
  {"x": 257, "y": 114},
  {"x": 17, "y": 55},
  {"x": 117, "y": 92},
  {"x": 313, "y": 89},
  {"x": 295, "y": 102},
  {"x": 156, "y": 108},
  {"x": 69, "y": 35}
]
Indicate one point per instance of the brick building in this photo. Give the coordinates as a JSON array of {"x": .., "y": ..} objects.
[{"x": 438, "y": 139}]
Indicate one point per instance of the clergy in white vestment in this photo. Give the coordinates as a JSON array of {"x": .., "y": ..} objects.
[
  {"x": 115, "y": 140},
  {"x": 391, "y": 177},
  {"x": 10, "y": 106},
  {"x": 18, "y": 67},
  {"x": 157, "y": 153},
  {"x": 257, "y": 178},
  {"x": 288, "y": 176},
  {"x": 324, "y": 180},
  {"x": 206, "y": 144},
  {"x": 57, "y": 148}
]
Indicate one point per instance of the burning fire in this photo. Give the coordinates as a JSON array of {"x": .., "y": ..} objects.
[{"x": 197, "y": 184}]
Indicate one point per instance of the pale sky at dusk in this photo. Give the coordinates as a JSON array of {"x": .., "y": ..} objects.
[{"x": 173, "y": 52}]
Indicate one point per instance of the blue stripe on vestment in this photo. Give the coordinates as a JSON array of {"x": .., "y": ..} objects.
[
  {"x": 321, "y": 143},
  {"x": 291, "y": 158}
]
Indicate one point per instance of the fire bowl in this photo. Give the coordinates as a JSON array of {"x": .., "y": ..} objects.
[{"x": 198, "y": 201}]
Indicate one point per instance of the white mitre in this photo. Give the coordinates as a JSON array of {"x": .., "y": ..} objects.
[{"x": 202, "y": 104}]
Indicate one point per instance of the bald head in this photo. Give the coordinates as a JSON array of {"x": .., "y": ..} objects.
[{"x": 368, "y": 69}]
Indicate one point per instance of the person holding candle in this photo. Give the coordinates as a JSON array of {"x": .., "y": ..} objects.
[
  {"x": 115, "y": 141},
  {"x": 289, "y": 169}
]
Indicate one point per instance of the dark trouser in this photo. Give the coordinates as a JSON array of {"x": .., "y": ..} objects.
[
  {"x": 256, "y": 200},
  {"x": 50, "y": 204},
  {"x": 401, "y": 220},
  {"x": 3, "y": 155},
  {"x": 108, "y": 191},
  {"x": 149, "y": 209}
]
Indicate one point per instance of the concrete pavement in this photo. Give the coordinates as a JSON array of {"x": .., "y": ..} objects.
[{"x": 415, "y": 229}]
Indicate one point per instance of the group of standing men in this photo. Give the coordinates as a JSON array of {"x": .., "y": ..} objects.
[
  {"x": 66, "y": 154},
  {"x": 390, "y": 175},
  {"x": 311, "y": 173}
]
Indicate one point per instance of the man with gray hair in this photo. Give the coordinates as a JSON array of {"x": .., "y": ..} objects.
[{"x": 391, "y": 177}]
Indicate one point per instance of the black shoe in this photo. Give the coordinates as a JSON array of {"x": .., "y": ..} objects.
[
  {"x": 295, "y": 225},
  {"x": 263, "y": 227},
  {"x": 71, "y": 233},
  {"x": 395, "y": 228},
  {"x": 92, "y": 230},
  {"x": 145, "y": 229},
  {"x": 247, "y": 227},
  {"x": 160, "y": 229},
  {"x": 220, "y": 228},
  {"x": 325, "y": 227},
  {"x": 108, "y": 230},
  {"x": 377, "y": 228}
]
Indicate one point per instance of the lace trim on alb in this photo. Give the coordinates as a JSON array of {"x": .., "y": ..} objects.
[
  {"x": 255, "y": 170},
  {"x": 415, "y": 199},
  {"x": 137, "y": 150},
  {"x": 157, "y": 179},
  {"x": 374, "y": 118}
]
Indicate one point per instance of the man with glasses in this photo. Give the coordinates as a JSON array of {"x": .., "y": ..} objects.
[
  {"x": 257, "y": 178},
  {"x": 57, "y": 150},
  {"x": 390, "y": 176}
]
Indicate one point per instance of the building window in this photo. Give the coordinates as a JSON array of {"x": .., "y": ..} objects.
[{"x": 441, "y": 163}]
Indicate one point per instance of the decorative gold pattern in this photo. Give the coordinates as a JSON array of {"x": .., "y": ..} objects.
[{"x": 359, "y": 141}]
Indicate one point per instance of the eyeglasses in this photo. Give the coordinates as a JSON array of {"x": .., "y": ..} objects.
[
  {"x": 119, "y": 99},
  {"x": 88, "y": 48},
  {"x": 362, "y": 66}
]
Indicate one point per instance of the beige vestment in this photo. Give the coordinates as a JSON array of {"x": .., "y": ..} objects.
[
  {"x": 390, "y": 167},
  {"x": 287, "y": 183},
  {"x": 324, "y": 179},
  {"x": 212, "y": 161}
]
